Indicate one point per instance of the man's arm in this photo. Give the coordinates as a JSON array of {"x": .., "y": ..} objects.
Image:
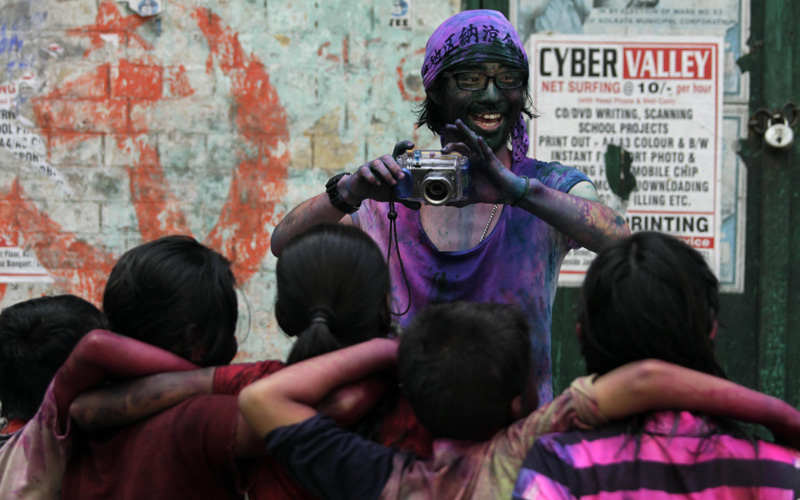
[
  {"x": 578, "y": 214},
  {"x": 311, "y": 212},
  {"x": 372, "y": 180},
  {"x": 658, "y": 385},
  {"x": 101, "y": 354},
  {"x": 590, "y": 223},
  {"x": 280, "y": 400}
]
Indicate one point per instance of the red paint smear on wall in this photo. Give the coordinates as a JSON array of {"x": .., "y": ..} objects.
[
  {"x": 137, "y": 81},
  {"x": 82, "y": 105},
  {"x": 110, "y": 22},
  {"x": 178, "y": 82},
  {"x": 241, "y": 232},
  {"x": 60, "y": 141},
  {"x": 158, "y": 213},
  {"x": 87, "y": 86},
  {"x": 258, "y": 182},
  {"x": 77, "y": 267},
  {"x": 401, "y": 85}
]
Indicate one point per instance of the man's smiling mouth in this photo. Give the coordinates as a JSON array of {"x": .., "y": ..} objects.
[{"x": 487, "y": 121}]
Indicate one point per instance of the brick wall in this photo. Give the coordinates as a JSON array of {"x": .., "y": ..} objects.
[{"x": 212, "y": 119}]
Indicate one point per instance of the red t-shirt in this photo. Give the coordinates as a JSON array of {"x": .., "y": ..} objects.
[
  {"x": 185, "y": 452},
  {"x": 231, "y": 379},
  {"x": 399, "y": 428},
  {"x": 271, "y": 481}
]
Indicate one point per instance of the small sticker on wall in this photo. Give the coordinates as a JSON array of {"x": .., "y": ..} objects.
[
  {"x": 400, "y": 14},
  {"x": 146, "y": 8},
  {"x": 20, "y": 266}
]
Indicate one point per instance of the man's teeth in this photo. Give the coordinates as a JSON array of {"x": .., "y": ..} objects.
[{"x": 493, "y": 117}]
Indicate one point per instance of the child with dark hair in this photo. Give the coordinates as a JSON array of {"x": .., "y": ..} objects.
[
  {"x": 653, "y": 296},
  {"x": 177, "y": 294},
  {"x": 36, "y": 336},
  {"x": 651, "y": 283},
  {"x": 334, "y": 463},
  {"x": 437, "y": 383},
  {"x": 332, "y": 291}
]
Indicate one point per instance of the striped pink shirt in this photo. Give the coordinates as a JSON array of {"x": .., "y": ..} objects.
[{"x": 680, "y": 456}]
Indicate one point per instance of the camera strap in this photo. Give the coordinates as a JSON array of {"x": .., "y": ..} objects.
[{"x": 392, "y": 216}]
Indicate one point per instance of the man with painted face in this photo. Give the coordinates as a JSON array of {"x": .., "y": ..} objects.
[{"x": 507, "y": 241}]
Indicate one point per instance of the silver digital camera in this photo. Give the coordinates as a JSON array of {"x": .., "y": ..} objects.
[{"x": 432, "y": 177}]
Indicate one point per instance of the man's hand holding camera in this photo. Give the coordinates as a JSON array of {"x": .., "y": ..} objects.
[
  {"x": 376, "y": 179},
  {"x": 491, "y": 181}
]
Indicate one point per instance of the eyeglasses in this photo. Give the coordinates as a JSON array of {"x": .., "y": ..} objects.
[{"x": 479, "y": 81}]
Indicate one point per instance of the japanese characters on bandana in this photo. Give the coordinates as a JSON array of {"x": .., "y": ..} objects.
[{"x": 477, "y": 36}]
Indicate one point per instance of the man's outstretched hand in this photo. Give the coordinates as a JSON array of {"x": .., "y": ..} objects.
[{"x": 490, "y": 180}]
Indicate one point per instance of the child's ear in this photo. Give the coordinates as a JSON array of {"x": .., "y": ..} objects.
[
  {"x": 579, "y": 331},
  {"x": 516, "y": 408},
  {"x": 713, "y": 333}
]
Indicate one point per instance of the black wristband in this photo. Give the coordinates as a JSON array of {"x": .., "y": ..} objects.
[{"x": 332, "y": 188}]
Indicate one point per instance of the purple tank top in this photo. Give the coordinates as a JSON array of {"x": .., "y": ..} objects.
[{"x": 517, "y": 263}]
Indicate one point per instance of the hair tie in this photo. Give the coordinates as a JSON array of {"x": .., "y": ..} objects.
[{"x": 320, "y": 315}]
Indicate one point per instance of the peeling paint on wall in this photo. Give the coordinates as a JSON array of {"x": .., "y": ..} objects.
[
  {"x": 112, "y": 100},
  {"x": 212, "y": 121},
  {"x": 16, "y": 137}
]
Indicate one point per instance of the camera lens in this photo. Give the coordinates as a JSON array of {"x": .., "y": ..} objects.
[{"x": 437, "y": 191}]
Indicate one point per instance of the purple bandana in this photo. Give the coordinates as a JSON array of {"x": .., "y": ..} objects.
[{"x": 476, "y": 36}]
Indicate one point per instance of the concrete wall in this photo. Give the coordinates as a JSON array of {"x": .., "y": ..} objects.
[{"x": 212, "y": 119}]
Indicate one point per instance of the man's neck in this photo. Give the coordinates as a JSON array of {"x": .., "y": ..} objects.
[{"x": 453, "y": 229}]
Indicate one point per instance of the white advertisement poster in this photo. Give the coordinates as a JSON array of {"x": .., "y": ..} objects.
[
  {"x": 20, "y": 266},
  {"x": 633, "y": 18},
  {"x": 643, "y": 119}
]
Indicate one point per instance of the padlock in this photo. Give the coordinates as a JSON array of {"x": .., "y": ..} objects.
[{"x": 779, "y": 135}]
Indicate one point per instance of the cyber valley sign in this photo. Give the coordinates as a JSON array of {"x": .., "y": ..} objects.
[
  {"x": 660, "y": 101},
  {"x": 631, "y": 63}
]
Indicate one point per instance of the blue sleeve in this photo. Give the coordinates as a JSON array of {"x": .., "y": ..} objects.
[
  {"x": 330, "y": 462},
  {"x": 556, "y": 176}
]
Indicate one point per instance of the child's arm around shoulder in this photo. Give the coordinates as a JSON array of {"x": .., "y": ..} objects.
[
  {"x": 658, "y": 385},
  {"x": 332, "y": 463},
  {"x": 126, "y": 402},
  {"x": 290, "y": 395},
  {"x": 101, "y": 354}
]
